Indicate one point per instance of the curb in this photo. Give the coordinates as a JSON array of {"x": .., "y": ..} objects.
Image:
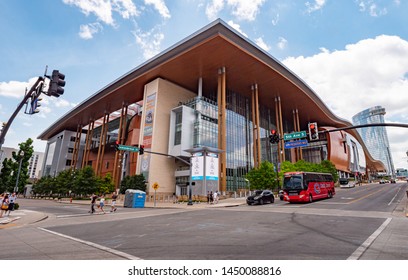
[{"x": 8, "y": 220}]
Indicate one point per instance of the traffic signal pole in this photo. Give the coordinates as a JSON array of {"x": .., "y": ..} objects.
[{"x": 23, "y": 102}]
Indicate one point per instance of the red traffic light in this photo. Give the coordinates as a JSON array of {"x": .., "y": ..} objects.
[{"x": 313, "y": 131}]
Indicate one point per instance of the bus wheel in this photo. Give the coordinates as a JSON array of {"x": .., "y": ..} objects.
[{"x": 310, "y": 198}]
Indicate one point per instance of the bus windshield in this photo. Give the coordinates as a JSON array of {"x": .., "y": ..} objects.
[{"x": 293, "y": 182}]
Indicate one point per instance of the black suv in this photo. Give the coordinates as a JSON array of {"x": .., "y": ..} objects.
[{"x": 261, "y": 197}]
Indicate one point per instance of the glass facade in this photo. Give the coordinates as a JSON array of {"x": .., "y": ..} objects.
[
  {"x": 375, "y": 138},
  {"x": 239, "y": 134}
]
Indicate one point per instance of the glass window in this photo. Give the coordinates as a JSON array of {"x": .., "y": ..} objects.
[{"x": 178, "y": 128}]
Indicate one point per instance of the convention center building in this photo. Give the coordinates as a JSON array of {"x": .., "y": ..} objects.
[{"x": 203, "y": 111}]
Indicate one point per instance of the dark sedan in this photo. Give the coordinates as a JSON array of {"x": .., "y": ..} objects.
[{"x": 261, "y": 197}]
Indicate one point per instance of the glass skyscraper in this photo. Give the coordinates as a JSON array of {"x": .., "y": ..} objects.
[{"x": 375, "y": 138}]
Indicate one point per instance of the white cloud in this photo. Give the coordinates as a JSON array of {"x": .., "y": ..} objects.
[
  {"x": 244, "y": 9},
  {"x": 275, "y": 20},
  {"x": 160, "y": 6},
  {"x": 103, "y": 9},
  {"x": 282, "y": 43},
  {"x": 241, "y": 9},
  {"x": 149, "y": 41},
  {"x": 368, "y": 73},
  {"x": 87, "y": 31},
  {"x": 16, "y": 89},
  {"x": 237, "y": 27},
  {"x": 214, "y": 8},
  {"x": 314, "y": 6},
  {"x": 260, "y": 42},
  {"x": 372, "y": 8}
]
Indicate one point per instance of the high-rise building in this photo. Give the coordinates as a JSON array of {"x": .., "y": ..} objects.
[
  {"x": 34, "y": 167},
  {"x": 375, "y": 138}
]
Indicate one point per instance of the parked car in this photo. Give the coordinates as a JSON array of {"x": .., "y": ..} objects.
[
  {"x": 393, "y": 181},
  {"x": 261, "y": 197},
  {"x": 382, "y": 181},
  {"x": 345, "y": 183}
]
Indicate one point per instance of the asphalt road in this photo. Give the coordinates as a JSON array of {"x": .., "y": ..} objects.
[{"x": 368, "y": 217}]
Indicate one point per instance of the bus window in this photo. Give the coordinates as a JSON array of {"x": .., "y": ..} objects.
[{"x": 293, "y": 182}]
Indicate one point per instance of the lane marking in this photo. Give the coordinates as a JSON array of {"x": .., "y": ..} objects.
[
  {"x": 363, "y": 247},
  {"x": 100, "y": 247},
  {"x": 363, "y": 197},
  {"x": 394, "y": 196}
]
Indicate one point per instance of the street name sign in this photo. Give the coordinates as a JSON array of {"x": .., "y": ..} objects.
[
  {"x": 294, "y": 135},
  {"x": 296, "y": 144},
  {"x": 128, "y": 148}
]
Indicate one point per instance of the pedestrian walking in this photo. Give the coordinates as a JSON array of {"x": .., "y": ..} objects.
[
  {"x": 208, "y": 197},
  {"x": 175, "y": 198},
  {"x": 113, "y": 202},
  {"x": 12, "y": 200},
  {"x": 93, "y": 202},
  {"x": 4, "y": 204},
  {"x": 102, "y": 203},
  {"x": 211, "y": 197},
  {"x": 215, "y": 197}
]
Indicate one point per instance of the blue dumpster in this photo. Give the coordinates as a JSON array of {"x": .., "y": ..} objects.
[{"x": 134, "y": 198}]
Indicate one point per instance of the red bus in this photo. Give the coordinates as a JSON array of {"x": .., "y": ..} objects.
[{"x": 307, "y": 186}]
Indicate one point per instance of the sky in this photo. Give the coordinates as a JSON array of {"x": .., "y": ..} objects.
[{"x": 352, "y": 53}]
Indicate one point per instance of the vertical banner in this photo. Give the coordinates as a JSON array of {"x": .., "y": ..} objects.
[
  {"x": 149, "y": 108},
  {"x": 197, "y": 172},
  {"x": 211, "y": 166}
]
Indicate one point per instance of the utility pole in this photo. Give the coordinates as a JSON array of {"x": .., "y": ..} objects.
[
  {"x": 55, "y": 89},
  {"x": 13, "y": 116}
]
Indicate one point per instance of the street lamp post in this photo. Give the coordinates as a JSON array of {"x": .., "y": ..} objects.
[{"x": 19, "y": 170}]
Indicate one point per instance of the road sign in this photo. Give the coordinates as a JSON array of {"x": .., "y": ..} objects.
[
  {"x": 128, "y": 148},
  {"x": 155, "y": 186},
  {"x": 296, "y": 144},
  {"x": 294, "y": 135}
]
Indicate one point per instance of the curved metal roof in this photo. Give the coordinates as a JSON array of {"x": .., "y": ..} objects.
[{"x": 201, "y": 55}]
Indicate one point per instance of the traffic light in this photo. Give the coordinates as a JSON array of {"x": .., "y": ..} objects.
[
  {"x": 35, "y": 100},
  {"x": 141, "y": 150},
  {"x": 313, "y": 131},
  {"x": 56, "y": 85},
  {"x": 35, "y": 103},
  {"x": 116, "y": 145},
  {"x": 274, "y": 137}
]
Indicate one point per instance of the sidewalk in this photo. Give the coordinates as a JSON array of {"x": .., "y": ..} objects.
[{"x": 23, "y": 217}]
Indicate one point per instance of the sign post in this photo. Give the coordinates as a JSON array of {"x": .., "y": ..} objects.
[
  {"x": 155, "y": 186},
  {"x": 128, "y": 148},
  {"x": 294, "y": 135}
]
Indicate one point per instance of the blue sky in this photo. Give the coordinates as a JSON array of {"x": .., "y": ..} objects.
[{"x": 353, "y": 53}]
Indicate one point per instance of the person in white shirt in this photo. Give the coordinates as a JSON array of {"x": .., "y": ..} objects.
[
  {"x": 12, "y": 200},
  {"x": 215, "y": 197},
  {"x": 102, "y": 203}
]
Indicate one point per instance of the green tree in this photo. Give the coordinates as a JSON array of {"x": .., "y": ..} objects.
[
  {"x": 24, "y": 154},
  {"x": 106, "y": 184},
  {"x": 44, "y": 186},
  {"x": 136, "y": 182},
  {"x": 263, "y": 177},
  {"x": 329, "y": 167},
  {"x": 64, "y": 182},
  {"x": 8, "y": 177},
  {"x": 325, "y": 166},
  {"x": 85, "y": 182}
]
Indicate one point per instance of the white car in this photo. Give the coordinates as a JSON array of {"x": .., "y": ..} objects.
[{"x": 345, "y": 183}]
